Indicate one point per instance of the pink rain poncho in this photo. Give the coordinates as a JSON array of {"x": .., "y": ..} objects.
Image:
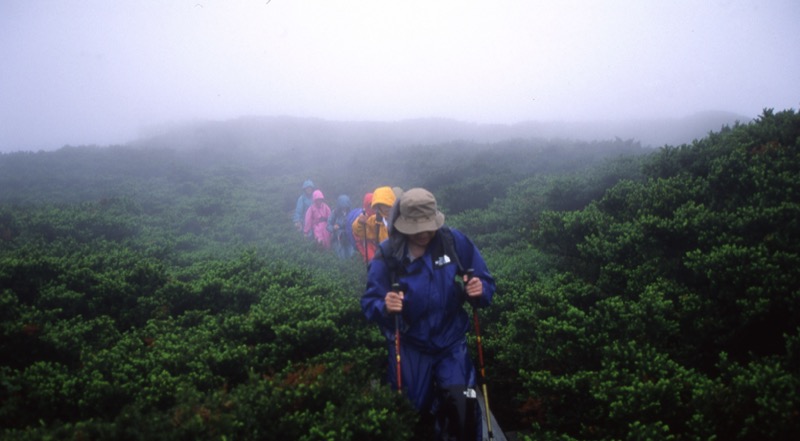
[{"x": 316, "y": 221}]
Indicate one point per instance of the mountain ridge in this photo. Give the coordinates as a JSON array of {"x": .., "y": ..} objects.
[{"x": 282, "y": 132}]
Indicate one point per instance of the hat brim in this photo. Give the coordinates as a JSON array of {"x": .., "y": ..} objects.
[{"x": 413, "y": 226}]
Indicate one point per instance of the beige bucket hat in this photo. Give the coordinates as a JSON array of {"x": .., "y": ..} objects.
[{"x": 418, "y": 212}]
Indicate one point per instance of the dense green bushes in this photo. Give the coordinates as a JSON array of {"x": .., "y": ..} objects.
[
  {"x": 677, "y": 298},
  {"x": 113, "y": 338},
  {"x": 162, "y": 294}
]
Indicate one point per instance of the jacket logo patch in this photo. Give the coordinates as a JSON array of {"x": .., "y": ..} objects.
[{"x": 442, "y": 261}]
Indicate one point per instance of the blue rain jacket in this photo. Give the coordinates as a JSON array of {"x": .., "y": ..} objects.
[
  {"x": 434, "y": 322},
  {"x": 433, "y": 314},
  {"x": 303, "y": 202},
  {"x": 339, "y": 217}
]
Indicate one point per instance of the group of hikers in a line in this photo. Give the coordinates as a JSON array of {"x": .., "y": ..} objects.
[
  {"x": 420, "y": 275},
  {"x": 343, "y": 228}
]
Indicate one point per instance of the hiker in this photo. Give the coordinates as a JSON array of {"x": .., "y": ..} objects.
[
  {"x": 361, "y": 242},
  {"x": 316, "y": 220},
  {"x": 375, "y": 227},
  {"x": 341, "y": 236},
  {"x": 424, "y": 314},
  {"x": 303, "y": 202}
]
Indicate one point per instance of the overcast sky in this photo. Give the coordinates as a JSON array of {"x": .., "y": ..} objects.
[{"x": 98, "y": 72}]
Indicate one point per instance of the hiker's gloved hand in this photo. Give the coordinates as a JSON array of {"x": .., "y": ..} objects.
[
  {"x": 394, "y": 302},
  {"x": 473, "y": 286}
]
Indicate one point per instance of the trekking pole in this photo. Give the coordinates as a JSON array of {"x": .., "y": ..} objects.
[
  {"x": 366, "y": 249},
  {"x": 470, "y": 272},
  {"x": 396, "y": 288},
  {"x": 378, "y": 223}
]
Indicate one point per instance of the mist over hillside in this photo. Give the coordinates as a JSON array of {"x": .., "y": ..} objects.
[
  {"x": 649, "y": 132},
  {"x": 285, "y": 132}
]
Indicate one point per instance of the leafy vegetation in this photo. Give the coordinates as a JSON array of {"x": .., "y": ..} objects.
[{"x": 152, "y": 292}]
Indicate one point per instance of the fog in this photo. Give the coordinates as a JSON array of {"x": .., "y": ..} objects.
[{"x": 104, "y": 72}]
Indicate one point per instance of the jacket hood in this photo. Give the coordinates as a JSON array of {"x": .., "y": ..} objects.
[
  {"x": 367, "y": 202},
  {"x": 317, "y": 195},
  {"x": 383, "y": 195},
  {"x": 343, "y": 201}
]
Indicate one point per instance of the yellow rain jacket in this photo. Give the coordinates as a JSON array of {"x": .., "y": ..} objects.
[{"x": 376, "y": 229}]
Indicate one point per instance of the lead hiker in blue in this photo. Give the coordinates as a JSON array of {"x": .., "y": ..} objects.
[{"x": 417, "y": 286}]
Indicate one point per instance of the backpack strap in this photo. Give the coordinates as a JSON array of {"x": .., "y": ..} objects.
[
  {"x": 384, "y": 251},
  {"x": 450, "y": 247}
]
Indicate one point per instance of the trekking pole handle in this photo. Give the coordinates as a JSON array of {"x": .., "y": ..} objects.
[{"x": 470, "y": 273}]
